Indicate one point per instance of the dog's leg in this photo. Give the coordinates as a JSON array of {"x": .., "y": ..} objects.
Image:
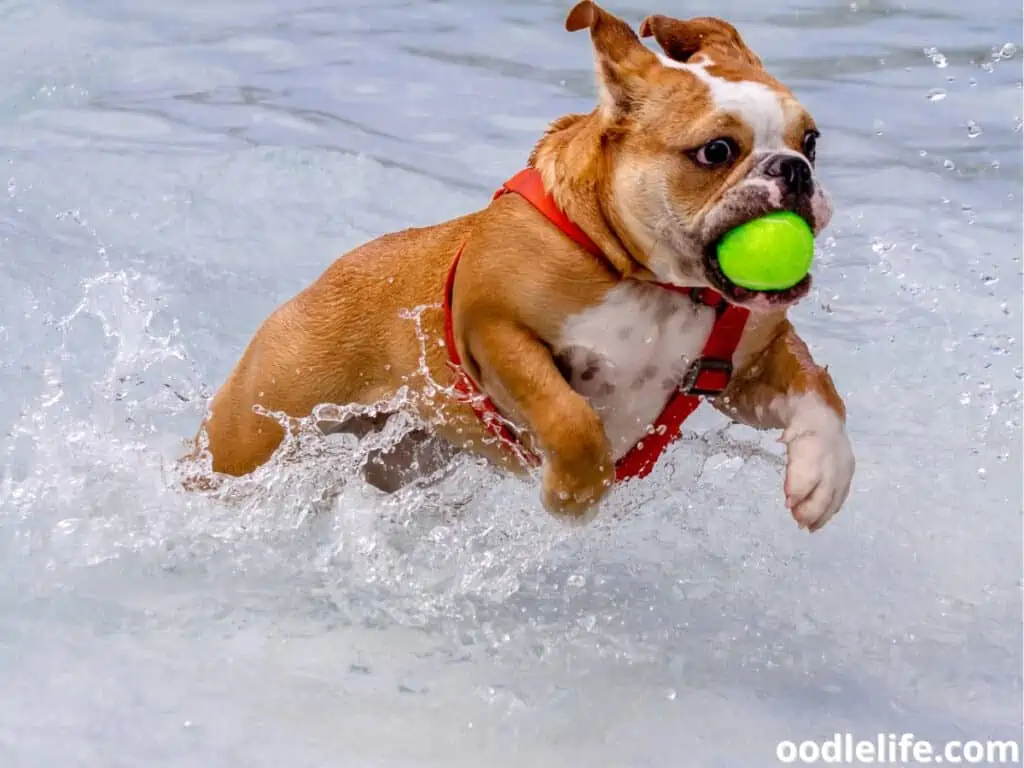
[
  {"x": 416, "y": 455},
  {"x": 784, "y": 388},
  {"x": 517, "y": 369}
]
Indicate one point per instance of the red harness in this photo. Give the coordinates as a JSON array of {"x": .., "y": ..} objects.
[{"x": 708, "y": 375}]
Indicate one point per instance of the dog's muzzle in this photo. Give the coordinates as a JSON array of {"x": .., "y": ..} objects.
[{"x": 790, "y": 170}]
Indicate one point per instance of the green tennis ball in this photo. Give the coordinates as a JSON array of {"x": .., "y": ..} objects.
[{"x": 771, "y": 253}]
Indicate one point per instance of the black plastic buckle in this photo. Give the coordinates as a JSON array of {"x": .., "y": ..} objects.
[{"x": 701, "y": 365}]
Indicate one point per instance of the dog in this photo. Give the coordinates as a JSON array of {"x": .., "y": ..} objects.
[{"x": 574, "y": 322}]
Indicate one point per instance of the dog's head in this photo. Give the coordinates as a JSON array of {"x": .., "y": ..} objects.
[{"x": 698, "y": 140}]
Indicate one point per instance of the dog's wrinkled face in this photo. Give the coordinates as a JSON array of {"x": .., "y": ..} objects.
[{"x": 700, "y": 140}]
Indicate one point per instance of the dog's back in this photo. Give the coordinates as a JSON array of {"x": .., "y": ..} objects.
[{"x": 341, "y": 340}]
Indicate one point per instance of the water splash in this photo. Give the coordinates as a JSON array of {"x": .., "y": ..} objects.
[
  {"x": 1005, "y": 52},
  {"x": 90, "y": 477},
  {"x": 937, "y": 58}
]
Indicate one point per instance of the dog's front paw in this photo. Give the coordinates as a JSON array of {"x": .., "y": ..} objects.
[
  {"x": 818, "y": 474},
  {"x": 573, "y": 496}
]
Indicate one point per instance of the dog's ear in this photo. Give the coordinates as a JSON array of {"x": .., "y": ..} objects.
[
  {"x": 682, "y": 38},
  {"x": 620, "y": 58}
]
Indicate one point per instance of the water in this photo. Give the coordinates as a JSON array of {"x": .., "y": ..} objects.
[{"x": 173, "y": 172}]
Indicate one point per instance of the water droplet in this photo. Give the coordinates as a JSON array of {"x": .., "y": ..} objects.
[
  {"x": 878, "y": 126},
  {"x": 923, "y": 153},
  {"x": 965, "y": 398},
  {"x": 67, "y": 527},
  {"x": 973, "y": 130},
  {"x": 949, "y": 165},
  {"x": 973, "y": 82},
  {"x": 937, "y": 58},
  {"x": 670, "y": 694},
  {"x": 989, "y": 280},
  {"x": 936, "y": 94},
  {"x": 987, "y": 66},
  {"x": 881, "y": 247},
  {"x": 982, "y": 472},
  {"x": 1008, "y": 51}
]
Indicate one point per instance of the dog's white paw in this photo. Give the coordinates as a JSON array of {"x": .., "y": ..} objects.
[{"x": 818, "y": 473}]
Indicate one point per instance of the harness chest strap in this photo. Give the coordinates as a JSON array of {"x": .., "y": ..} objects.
[{"x": 708, "y": 375}]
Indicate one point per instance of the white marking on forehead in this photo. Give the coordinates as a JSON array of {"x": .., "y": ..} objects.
[{"x": 754, "y": 103}]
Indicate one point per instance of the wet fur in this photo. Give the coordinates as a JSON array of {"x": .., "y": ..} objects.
[{"x": 349, "y": 337}]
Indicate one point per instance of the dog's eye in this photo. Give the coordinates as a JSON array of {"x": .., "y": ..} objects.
[
  {"x": 714, "y": 153},
  {"x": 811, "y": 145}
]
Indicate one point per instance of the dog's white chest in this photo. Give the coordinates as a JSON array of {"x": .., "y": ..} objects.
[{"x": 628, "y": 354}]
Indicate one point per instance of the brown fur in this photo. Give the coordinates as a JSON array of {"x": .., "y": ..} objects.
[
  {"x": 777, "y": 364},
  {"x": 343, "y": 339},
  {"x": 684, "y": 39}
]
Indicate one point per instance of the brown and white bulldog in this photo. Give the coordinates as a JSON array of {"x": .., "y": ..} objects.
[{"x": 569, "y": 332}]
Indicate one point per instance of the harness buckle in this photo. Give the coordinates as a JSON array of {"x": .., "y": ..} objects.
[
  {"x": 708, "y": 297},
  {"x": 707, "y": 377}
]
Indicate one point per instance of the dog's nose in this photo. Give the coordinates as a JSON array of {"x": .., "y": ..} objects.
[{"x": 794, "y": 170}]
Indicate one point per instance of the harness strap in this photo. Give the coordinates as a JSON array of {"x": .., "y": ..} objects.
[
  {"x": 708, "y": 375},
  {"x": 466, "y": 389},
  {"x": 529, "y": 185}
]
